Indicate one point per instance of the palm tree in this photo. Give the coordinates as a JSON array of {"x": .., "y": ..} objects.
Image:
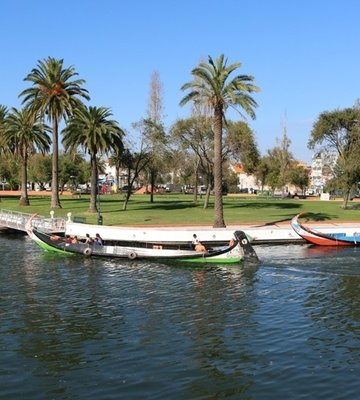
[
  {"x": 211, "y": 89},
  {"x": 24, "y": 133},
  {"x": 54, "y": 94},
  {"x": 117, "y": 160},
  {"x": 3, "y": 113},
  {"x": 91, "y": 129}
]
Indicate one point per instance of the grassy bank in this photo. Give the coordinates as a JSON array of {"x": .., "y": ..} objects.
[{"x": 180, "y": 209}]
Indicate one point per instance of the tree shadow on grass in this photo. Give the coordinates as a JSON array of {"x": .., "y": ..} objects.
[
  {"x": 279, "y": 221},
  {"x": 179, "y": 205},
  {"x": 115, "y": 205},
  {"x": 318, "y": 217},
  {"x": 308, "y": 216},
  {"x": 261, "y": 205},
  {"x": 354, "y": 207}
]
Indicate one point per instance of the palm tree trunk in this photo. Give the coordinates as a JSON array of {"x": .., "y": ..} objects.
[
  {"x": 118, "y": 177},
  {"x": 24, "y": 199},
  {"x": 218, "y": 201},
  {"x": 55, "y": 199},
  {"x": 94, "y": 184}
]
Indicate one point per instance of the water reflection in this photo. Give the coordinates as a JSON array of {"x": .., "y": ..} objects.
[{"x": 87, "y": 328}]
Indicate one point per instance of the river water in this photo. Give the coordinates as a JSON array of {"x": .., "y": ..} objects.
[{"x": 76, "y": 328}]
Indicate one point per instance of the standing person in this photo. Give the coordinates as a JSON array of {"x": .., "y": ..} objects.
[{"x": 98, "y": 240}]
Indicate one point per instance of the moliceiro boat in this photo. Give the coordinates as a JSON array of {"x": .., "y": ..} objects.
[
  {"x": 237, "y": 249},
  {"x": 314, "y": 236},
  {"x": 134, "y": 236}
]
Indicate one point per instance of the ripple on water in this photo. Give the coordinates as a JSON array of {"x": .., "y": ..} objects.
[{"x": 75, "y": 328}]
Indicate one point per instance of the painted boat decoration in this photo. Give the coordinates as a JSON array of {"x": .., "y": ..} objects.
[
  {"x": 317, "y": 237},
  {"x": 238, "y": 249}
]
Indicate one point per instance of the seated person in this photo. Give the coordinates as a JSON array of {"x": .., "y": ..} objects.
[
  {"x": 231, "y": 242},
  {"x": 195, "y": 241},
  {"x": 67, "y": 239},
  {"x": 98, "y": 240},
  {"x": 75, "y": 240},
  {"x": 200, "y": 248},
  {"x": 88, "y": 239}
]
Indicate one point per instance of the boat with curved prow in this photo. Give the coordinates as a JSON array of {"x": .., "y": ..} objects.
[
  {"x": 317, "y": 237},
  {"x": 238, "y": 249}
]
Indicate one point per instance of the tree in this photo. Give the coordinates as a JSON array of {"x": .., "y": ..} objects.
[
  {"x": 195, "y": 136},
  {"x": 154, "y": 131},
  {"x": 299, "y": 177},
  {"x": 154, "y": 146},
  {"x": 279, "y": 160},
  {"x": 241, "y": 142},
  {"x": 116, "y": 160},
  {"x": 72, "y": 170},
  {"x": 212, "y": 88},
  {"x": 339, "y": 131},
  {"x": 91, "y": 129},
  {"x": 262, "y": 171},
  {"x": 3, "y": 113},
  {"x": 134, "y": 165},
  {"x": 55, "y": 94},
  {"x": 24, "y": 133},
  {"x": 283, "y": 158},
  {"x": 40, "y": 169},
  {"x": 8, "y": 166},
  {"x": 9, "y": 170}
]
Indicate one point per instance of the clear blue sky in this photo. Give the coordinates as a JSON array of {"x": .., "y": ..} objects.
[{"x": 304, "y": 54}]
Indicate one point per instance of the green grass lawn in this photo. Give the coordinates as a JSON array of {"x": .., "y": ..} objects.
[{"x": 178, "y": 209}]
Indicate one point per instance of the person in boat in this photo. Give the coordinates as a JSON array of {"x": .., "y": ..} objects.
[
  {"x": 195, "y": 241},
  {"x": 75, "y": 240},
  {"x": 67, "y": 239},
  {"x": 197, "y": 245},
  {"x": 98, "y": 240},
  {"x": 200, "y": 248},
  {"x": 88, "y": 239}
]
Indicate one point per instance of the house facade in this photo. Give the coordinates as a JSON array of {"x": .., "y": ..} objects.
[{"x": 322, "y": 166}]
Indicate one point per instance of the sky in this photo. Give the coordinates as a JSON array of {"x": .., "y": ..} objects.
[{"x": 303, "y": 54}]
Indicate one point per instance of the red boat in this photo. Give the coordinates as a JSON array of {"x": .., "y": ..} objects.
[{"x": 324, "y": 239}]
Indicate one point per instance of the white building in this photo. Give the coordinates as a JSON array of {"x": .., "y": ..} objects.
[
  {"x": 245, "y": 181},
  {"x": 322, "y": 169}
]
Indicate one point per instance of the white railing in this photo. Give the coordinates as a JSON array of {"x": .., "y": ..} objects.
[{"x": 18, "y": 220}]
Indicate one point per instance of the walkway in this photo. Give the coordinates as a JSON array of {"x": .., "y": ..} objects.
[{"x": 17, "y": 220}]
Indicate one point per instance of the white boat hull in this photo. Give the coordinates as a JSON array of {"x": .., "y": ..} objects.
[
  {"x": 216, "y": 236},
  {"x": 151, "y": 234}
]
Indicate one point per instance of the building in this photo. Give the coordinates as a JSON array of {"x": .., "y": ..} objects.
[
  {"x": 249, "y": 183},
  {"x": 322, "y": 167},
  {"x": 245, "y": 182}
]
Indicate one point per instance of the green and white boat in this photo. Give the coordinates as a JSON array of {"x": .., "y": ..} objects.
[{"x": 237, "y": 250}]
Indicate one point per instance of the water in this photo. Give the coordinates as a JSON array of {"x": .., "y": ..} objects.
[{"x": 76, "y": 328}]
